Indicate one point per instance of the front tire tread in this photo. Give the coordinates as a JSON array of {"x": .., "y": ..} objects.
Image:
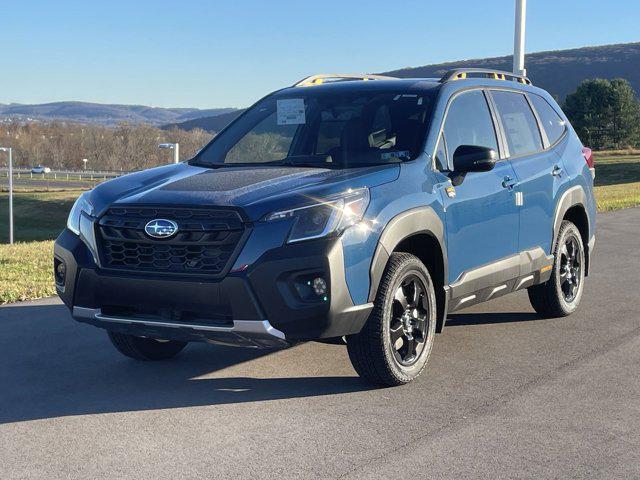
[{"x": 367, "y": 350}]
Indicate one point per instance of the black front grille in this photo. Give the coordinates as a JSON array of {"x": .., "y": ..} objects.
[{"x": 206, "y": 243}]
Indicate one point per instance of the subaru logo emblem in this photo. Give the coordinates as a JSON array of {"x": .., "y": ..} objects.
[{"x": 161, "y": 228}]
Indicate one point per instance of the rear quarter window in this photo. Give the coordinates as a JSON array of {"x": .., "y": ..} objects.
[{"x": 553, "y": 124}]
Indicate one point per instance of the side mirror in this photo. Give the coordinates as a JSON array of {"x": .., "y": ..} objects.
[{"x": 473, "y": 158}]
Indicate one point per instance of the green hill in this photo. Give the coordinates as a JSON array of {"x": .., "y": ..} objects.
[{"x": 558, "y": 71}]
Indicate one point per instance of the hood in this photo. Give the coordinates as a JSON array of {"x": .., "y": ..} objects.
[{"x": 257, "y": 190}]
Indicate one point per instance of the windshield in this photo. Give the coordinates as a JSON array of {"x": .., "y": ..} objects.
[{"x": 324, "y": 129}]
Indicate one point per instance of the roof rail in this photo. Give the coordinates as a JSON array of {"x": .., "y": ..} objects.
[
  {"x": 337, "y": 77},
  {"x": 461, "y": 73}
]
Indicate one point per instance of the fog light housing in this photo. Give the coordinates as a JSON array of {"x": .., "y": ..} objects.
[
  {"x": 311, "y": 287},
  {"x": 59, "y": 271},
  {"x": 319, "y": 286}
]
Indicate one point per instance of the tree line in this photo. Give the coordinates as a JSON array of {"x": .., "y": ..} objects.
[
  {"x": 605, "y": 114},
  {"x": 62, "y": 145}
]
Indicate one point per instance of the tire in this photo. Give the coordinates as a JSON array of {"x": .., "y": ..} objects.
[
  {"x": 561, "y": 294},
  {"x": 398, "y": 324},
  {"x": 142, "y": 348}
]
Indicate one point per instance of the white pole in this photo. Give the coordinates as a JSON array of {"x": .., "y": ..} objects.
[
  {"x": 176, "y": 153},
  {"x": 519, "y": 36},
  {"x": 10, "y": 196}
]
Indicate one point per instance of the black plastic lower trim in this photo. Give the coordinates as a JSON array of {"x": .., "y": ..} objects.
[{"x": 262, "y": 292}]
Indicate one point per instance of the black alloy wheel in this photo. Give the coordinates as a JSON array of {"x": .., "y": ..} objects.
[
  {"x": 570, "y": 268},
  {"x": 409, "y": 325},
  {"x": 560, "y": 295}
]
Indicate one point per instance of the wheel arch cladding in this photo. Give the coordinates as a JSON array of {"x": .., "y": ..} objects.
[
  {"x": 572, "y": 207},
  {"x": 577, "y": 215},
  {"x": 420, "y": 232}
]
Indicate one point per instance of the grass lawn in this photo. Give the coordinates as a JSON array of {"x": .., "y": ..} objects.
[
  {"x": 26, "y": 271},
  {"x": 617, "y": 170},
  {"x": 26, "y": 267},
  {"x": 37, "y": 215},
  {"x": 614, "y": 197},
  {"x": 617, "y": 180}
]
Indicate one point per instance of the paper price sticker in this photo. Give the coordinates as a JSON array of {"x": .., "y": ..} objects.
[{"x": 291, "y": 111}]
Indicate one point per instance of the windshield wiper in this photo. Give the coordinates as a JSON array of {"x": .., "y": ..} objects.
[
  {"x": 209, "y": 165},
  {"x": 309, "y": 164},
  {"x": 319, "y": 161}
]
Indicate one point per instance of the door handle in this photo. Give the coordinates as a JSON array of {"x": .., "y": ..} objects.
[
  {"x": 508, "y": 182},
  {"x": 557, "y": 171}
]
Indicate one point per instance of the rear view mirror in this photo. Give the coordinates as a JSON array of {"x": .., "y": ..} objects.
[{"x": 473, "y": 158}]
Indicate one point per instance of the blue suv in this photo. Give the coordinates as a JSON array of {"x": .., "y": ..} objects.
[{"x": 346, "y": 208}]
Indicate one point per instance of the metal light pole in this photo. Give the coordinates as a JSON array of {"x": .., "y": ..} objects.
[
  {"x": 176, "y": 150},
  {"x": 518, "y": 40},
  {"x": 8, "y": 149}
]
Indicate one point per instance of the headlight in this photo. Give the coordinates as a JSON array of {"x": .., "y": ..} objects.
[
  {"x": 335, "y": 214},
  {"x": 82, "y": 205}
]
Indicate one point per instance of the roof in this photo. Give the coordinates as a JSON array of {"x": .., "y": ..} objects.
[
  {"x": 454, "y": 80},
  {"x": 404, "y": 84}
]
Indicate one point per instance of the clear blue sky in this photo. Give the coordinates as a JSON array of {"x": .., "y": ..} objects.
[{"x": 197, "y": 53}]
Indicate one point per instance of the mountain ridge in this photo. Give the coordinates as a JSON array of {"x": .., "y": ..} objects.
[
  {"x": 557, "y": 71},
  {"x": 103, "y": 113}
]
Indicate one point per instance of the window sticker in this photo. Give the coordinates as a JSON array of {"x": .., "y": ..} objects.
[
  {"x": 291, "y": 111},
  {"x": 519, "y": 132}
]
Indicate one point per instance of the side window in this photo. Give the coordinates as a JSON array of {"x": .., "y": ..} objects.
[
  {"x": 519, "y": 123},
  {"x": 469, "y": 123},
  {"x": 553, "y": 124}
]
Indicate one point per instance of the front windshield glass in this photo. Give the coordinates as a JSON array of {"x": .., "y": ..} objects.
[{"x": 333, "y": 130}]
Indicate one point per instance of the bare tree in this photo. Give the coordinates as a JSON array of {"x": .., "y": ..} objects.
[{"x": 62, "y": 145}]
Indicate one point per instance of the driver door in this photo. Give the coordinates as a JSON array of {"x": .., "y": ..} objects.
[{"x": 482, "y": 220}]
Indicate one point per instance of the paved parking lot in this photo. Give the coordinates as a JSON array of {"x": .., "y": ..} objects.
[{"x": 505, "y": 395}]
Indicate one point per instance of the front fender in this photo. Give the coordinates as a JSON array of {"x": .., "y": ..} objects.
[{"x": 420, "y": 220}]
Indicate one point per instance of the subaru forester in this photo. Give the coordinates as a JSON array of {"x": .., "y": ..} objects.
[{"x": 355, "y": 209}]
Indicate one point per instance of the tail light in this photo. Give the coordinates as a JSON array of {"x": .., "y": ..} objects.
[{"x": 588, "y": 157}]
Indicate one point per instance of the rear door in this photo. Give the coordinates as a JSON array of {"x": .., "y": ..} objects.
[
  {"x": 481, "y": 214},
  {"x": 538, "y": 169}
]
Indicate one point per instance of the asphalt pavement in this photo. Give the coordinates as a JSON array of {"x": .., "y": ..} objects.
[{"x": 505, "y": 395}]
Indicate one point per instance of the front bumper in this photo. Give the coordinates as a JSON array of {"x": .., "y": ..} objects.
[
  {"x": 260, "y": 306},
  {"x": 249, "y": 333}
]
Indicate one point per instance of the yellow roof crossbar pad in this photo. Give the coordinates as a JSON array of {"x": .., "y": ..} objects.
[
  {"x": 337, "y": 77},
  {"x": 462, "y": 73}
]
